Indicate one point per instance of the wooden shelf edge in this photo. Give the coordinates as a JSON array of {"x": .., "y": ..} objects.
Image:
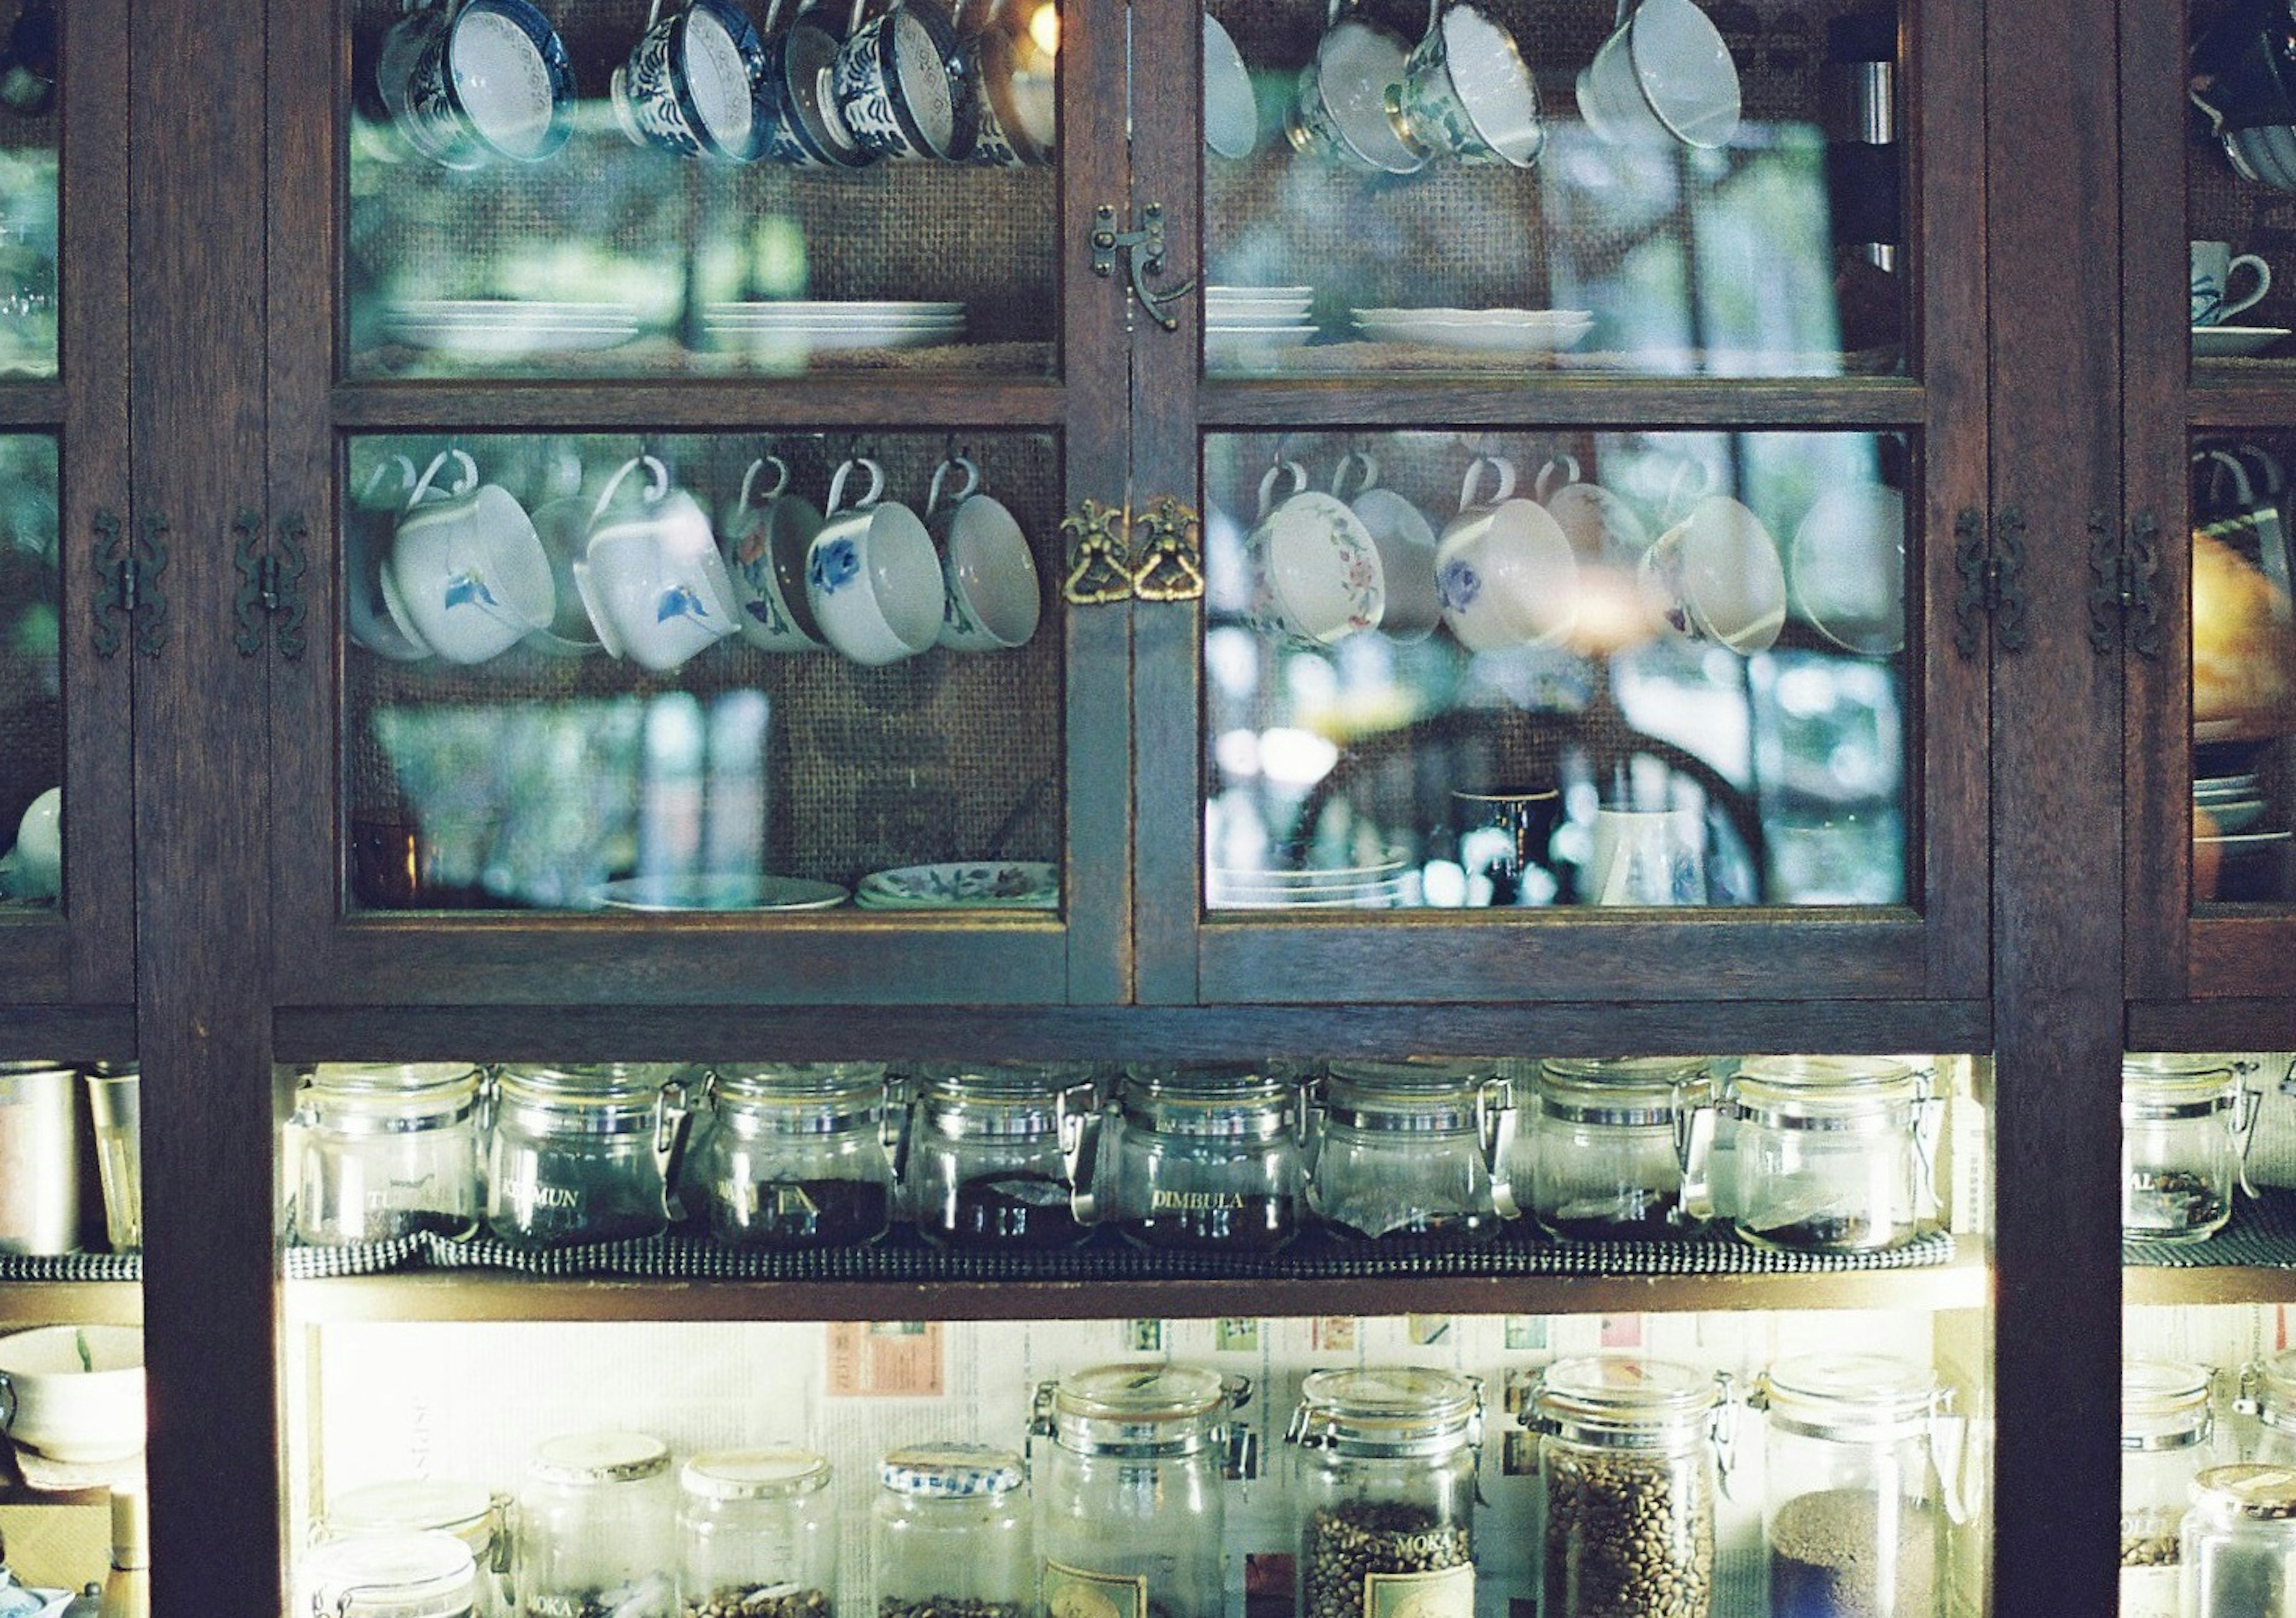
[
  {"x": 70, "y": 1302},
  {"x": 882, "y": 402},
  {"x": 2150, "y": 1284},
  {"x": 1557, "y": 397}
]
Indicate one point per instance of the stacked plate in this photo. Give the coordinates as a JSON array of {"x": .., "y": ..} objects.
[
  {"x": 1242, "y": 320},
  {"x": 1377, "y": 886},
  {"x": 972, "y": 884},
  {"x": 2239, "y": 851},
  {"x": 807, "y": 326},
  {"x": 1490, "y": 330},
  {"x": 506, "y": 325}
]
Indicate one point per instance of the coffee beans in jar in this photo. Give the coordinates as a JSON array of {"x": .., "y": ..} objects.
[
  {"x": 2168, "y": 1431},
  {"x": 765, "y": 1601},
  {"x": 758, "y": 1534},
  {"x": 1352, "y": 1551},
  {"x": 1385, "y": 1486}
]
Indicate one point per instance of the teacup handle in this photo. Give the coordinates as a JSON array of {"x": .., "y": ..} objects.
[
  {"x": 2263, "y": 284},
  {"x": 653, "y": 14},
  {"x": 1356, "y": 457},
  {"x": 750, "y": 497},
  {"x": 837, "y": 485},
  {"x": 463, "y": 484},
  {"x": 971, "y": 483},
  {"x": 374, "y": 478},
  {"x": 1691, "y": 479},
  {"x": 658, "y": 482},
  {"x": 1499, "y": 463},
  {"x": 7, "y": 1402},
  {"x": 2243, "y": 490},
  {"x": 1292, "y": 469},
  {"x": 853, "y": 27},
  {"x": 1566, "y": 465}
]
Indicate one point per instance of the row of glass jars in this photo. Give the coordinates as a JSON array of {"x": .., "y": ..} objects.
[
  {"x": 2203, "y": 1530},
  {"x": 1830, "y": 1154},
  {"x": 2186, "y": 1124}
]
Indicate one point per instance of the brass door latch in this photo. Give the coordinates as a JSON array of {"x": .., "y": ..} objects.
[{"x": 1144, "y": 250}]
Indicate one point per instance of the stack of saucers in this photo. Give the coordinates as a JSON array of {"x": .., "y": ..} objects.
[
  {"x": 809, "y": 326},
  {"x": 1376, "y": 886},
  {"x": 508, "y": 326},
  {"x": 1489, "y": 331},
  {"x": 973, "y": 884},
  {"x": 1244, "y": 322}
]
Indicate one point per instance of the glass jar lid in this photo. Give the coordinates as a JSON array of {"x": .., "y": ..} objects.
[
  {"x": 2248, "y": 1489},
  {"x": 1244, "y": 1102},
  {"x": 1159, "y": 1409},
  {"x": 2164, "y": 1405},
  {"x": 380, "y": 1097},
  {"x": 608, "y": 1457},
  {"x": 390, "y": 1575},
  {"x": 1853, "y": 1094},
  {"x": 1652, "y": 1091},
  {"x": 2154, "y": 1088},
  {"x": 1849, "y": 1398},
  {"x": 405, "y": 1505},
  {"x": 1387, "y": 1410},
  {"x": 951, "y": 1471},
  {"x": 1419, "y": 1095},
  {"x": 800, "y": 1098},
  {"x": 609, "y": 1099},
  {"x": 1009, "y": 1100},
  {"x": 774, "y": 1472},
  {"x": 1624, "y": 1401}
]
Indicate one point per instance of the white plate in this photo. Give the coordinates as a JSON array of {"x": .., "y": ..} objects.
[
  {"x": 2226, "y": 343},
  {"x": 1489, "y": 317},
  {"x": 1488, "y": 339},
  {"x": 1259, "y": 337},
  {"x": 890, "y": 308},
  {"x": 970, "y": 884},
  {"x": 1219, "y": 290},
  {"x": 510, "y": 339},
  {"x": 732, "y": 891},
  {"x": 798, "y": 339},
  {"x": 508, "y": 308},
  {"x": 1256, "y": 328}
]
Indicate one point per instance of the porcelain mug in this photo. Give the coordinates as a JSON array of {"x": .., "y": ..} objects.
[
  {"x": 992, "y": 597},
  {"x": 1316, "y": 574},
  {"x": 767, "y": 534},
  {"x": 1231, "y": 113},
  {"x": 901, "y": 85},
  {"x": 491, "y": 79},
  {"x": 802, "y": 126},
  {"x": 655, "y": 586},
  {"x": 1467, "y": 93},
  {"x": 1647, "y": 857},
  {"x": 467, "y": 577},
  {"x": 872, "y": 574},
  {"x": 1664, "y": 74},
  {"x": 366, "y": 552},
  {"x": 1405, "y": 543},
  {"x": 1004, "y": 140},
  {"x": 689, "y": 85},
  {"x": 1503, "y": 567},
  {"x": 1716, "y": 576},
  {"x": 1341, "y": 112},
  {"x": 2214, "y": 266}
]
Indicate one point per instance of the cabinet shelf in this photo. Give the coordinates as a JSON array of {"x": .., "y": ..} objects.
[
  {"x": 1550, "y": 397},
  {"x": 877, "y": 403},
  {"x": 78, "y": 1302},
  {"x": 2209, "y": 1283}
]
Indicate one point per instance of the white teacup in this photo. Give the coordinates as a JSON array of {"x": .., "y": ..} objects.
[
  {"x": 655, "y": 586},
  {"x": 1848, "y": 571},
  {"x": 1608, "y": 539},
  {"x": 767, "y": 534},
  {"x": 993, "y": 600},
  {"x": 1316, "y": 574},
  {"x": 468, "y": 576},
  {"x": 366, "y": 552},
  {"x": 1664, "y": 74},
  {"x": 1648, "y": 857},
  {"x": 1342, "y": 113},
  {"x": 1231, "y": 116},
  {"x": 564, "y": 527},
  {"x": 1405, "y": 543},
  {"x": 1505, "y": 568},
  {"x": 70, "y": 1408},
  {"x": 1467, "y": 92},
  {"x": 872, "y": 575},
  {"x": 39, "y": 853},
  {"x": 2213, "y": 265},
  {"x": 1716, "y": 576}
]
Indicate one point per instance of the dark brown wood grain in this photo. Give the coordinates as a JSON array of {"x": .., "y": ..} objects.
[
  {"x": 884, "y": 403},
  {"x": 1875, "y": 403}
]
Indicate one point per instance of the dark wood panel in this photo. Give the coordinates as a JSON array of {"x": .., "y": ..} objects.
[
  {"x": 66, "y": 1033},
  {"x": 33, "y": 405},
  {"x": 1592, "y": 402},
  {"x": 922, "y": 403},
  {"x": 2231, "y": 1023},
  {"x": 2227, "y": 396},
  {"x": 2239, "y": 954},
  {"x": 705, "y": 1033},
  {"x": 35, "y": 960}
]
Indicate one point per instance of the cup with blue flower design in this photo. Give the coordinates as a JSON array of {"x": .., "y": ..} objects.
[
  {"x": 467, "y": 577},
  {"x": 766, "y": 533},
  {"x": 1316, "y": 577},
  {"x": 1504, "y": 567},
  {"x": 872, "y": 575},
  {"x": 656, "y": 588}
]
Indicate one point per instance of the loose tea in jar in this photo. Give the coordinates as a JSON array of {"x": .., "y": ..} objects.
[
  {"x": 992, "y": 1154},
  {"x": 1203, "y": 1160},
  {"x": 583, "y": 1153},
  {"x": 1413, "y": 1152},
  {"x": 2238, "y": 1544},
  {"x": 2184, "y": 1128},
  {"x": 1830, "y": 1152},
  {"x": 795, "y": 1156}
]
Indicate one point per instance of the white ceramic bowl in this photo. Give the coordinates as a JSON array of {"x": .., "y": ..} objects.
[{"x": 52, "y": 1401}]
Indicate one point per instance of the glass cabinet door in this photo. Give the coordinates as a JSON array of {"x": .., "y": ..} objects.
[
  {"x": 1582, "y": 409},
  {"x": 681, "y": 431}
]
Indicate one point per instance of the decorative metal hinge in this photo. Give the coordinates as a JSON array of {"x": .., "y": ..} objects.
[
  {"x": 130, "y": 597},
  {"x": 1144, "y": 251},
  {"x": 2122, "y": 566},
  {"x": 269, "y": 584},
  {"x": 1171, "y": 566},
  {"x": 1992, "y": 569},
  {"x": 1097, "y": 572}
]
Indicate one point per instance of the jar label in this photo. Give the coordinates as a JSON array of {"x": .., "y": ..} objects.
[
  {"x": 2148, "y": 1592},
  {"x": 1448, "y": 1592},
  {"x": 1071, "y": 1592}
]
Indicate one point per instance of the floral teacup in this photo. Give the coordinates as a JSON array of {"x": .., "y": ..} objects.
[{"x": 1316, "y": 573}]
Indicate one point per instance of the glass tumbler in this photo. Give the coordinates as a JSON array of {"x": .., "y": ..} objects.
[{"x": 115, "y": 1098}]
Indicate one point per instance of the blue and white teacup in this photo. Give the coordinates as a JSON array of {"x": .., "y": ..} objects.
[
  {"x": 767, "y": 534},
  {"x": 801, "y": 126},
  {"x": 691, "y": 84},
  {"x": 901, "y": 85},
  {"x": 655, "y": 586},
  {"x": 490, "y": 78},
  {"x": 1341, "y": 113},
  {"x": 467, "y": 576},
  {"x": 872, "y": 575},
  {"x": 1467, "y": 94},
  {"x": 1003, "y": 140}
]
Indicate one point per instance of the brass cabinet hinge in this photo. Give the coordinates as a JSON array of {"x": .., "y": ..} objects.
[
  {"x": 1097, "y": 572},
  {"x": 270, "y": 584},
  {"x": 1144, "y": 250},
  {"x": 129, "y": 595},
  {"x": 1992, "y": 563},
  {"x": 2122, "y": 564},
  {"x": 1171, "y": 565}
]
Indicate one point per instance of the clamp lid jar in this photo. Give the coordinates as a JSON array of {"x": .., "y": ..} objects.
[
  {"x": 470, "y": 1512},
  {"x": 1385, "y": 1490},
  {"x": 2167, "y": 1433},
  {"x": 597, "y": 1528},
  {"x": 796, "y": 1155},
  {"x": 1413, "y": 1150},
  {"x": 1831, "y": 1153},
  {"x": 2185, "y": 1123},
  {"x": 2237, "y": 1543},
  {"x": 583, "y": 1153},
  {"x": 991, "y": 1155},
  {"x": 389, "y": 1575},
  {"x": 950, "y": 1533},
  {"x": 381, "y": 1151},
  {"x": 1203, "y": 1158},
  {"x": 1619, "y": 1148}
]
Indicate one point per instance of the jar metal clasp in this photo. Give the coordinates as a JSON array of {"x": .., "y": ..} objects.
[
  {"x": 673, "y": 1118},
  {"x": 1495, "y": 1119},
  {"x": 1080, "y": 1116},
  {"x": 1694, "y": 1114},
  {"x": 1949, "y": 1454}
]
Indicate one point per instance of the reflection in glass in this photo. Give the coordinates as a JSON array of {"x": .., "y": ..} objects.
[
  {"x": 2240, "y": 166},
  {"x": 568, "y": 188},
  {"x": 1672, "y": 190},
  {"x": 680, "y": 673},
  {"x": 1541, "y": 668},
  {"x": 31, "y": 702},
  {"x": 27, "y": 199}
]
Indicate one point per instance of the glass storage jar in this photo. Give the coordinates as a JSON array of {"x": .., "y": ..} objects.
[
  {"x": 386, "y": 1150},
  {"x": 1401, "y": 1150},
  {"x": 991, "y": 1152},
  {"x": 1830, "y": 1152},
  {"x": 950, "y": 1534},
  {"x": 1201, "y": 1159},
  {"x": 2185, "y": 1124},
  {"x": 796, "y": 1155},
  {"x": 1626, "y": 1460},
  {"x": 1619, "y": 1148},
  {"x": 2268, "y": 1394},
  {"x": 1860, "y": 1458},
  {"x": 2166, "y": 1426},
  {"x": 2238, "y": 1544},
  {"x": 1384, "y": 1488},
  {"x": 389, "y": 1575},
  {"x": 758, "y": 1528},
  {"x": 597, "y": 1530},
  {"x": 472, "y": 1513},
  {"x": 1131, "y": 1492},
  {"x": 582, "y": 1154}
]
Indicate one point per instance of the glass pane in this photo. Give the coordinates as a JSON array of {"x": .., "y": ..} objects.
[
  {"x": 1696, "y": 192},
  {"x": 1676, "y": 677},
  {"x": 2240, "y": 165},
  {"x": 582, "y": 193},
  {"x": 31, "y": 698},
  {"x": 589, "y": 673},
  {"x": 2243, "y": 670},
  {"x": 28, "y": 150}
]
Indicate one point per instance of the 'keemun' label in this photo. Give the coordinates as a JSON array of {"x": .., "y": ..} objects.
[
  {"x": 1071, "y": 1592},
  {"x": 1447, "y": 1593}
]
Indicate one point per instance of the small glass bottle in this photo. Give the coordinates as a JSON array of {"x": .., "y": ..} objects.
[
  {"x": 1412, "y": 1151},
  {"x": 2238, "y": 1543},
  {"x": 1627, "y": 1463},
  {"x": 2166, "y": 1428},
  {"x": 1857, "y": 1502},
  {"x": 950, "y": 1534},
  {"x": 582, "y": 1154},
  {"x": 1618, "y": 1148},
  {"x": 1829, "y": 1152},
  {"x": 386, "y": 1150},
  {"x": 1202, "y": 1159},
  {"x": 992, "y": 1154},
  {"x": 389, "y": 1575},
  {"x": 758, "y": 1529},
  {"x": 469, "y": 1512},
  {"x": 1385, "y": 1492},
  {"x": 1132, "y": 1491},
  {"x": 2185, "y": 1124},
  {"x": 597, "y": 1531},
  {"x": 796, "y": 1156}
]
